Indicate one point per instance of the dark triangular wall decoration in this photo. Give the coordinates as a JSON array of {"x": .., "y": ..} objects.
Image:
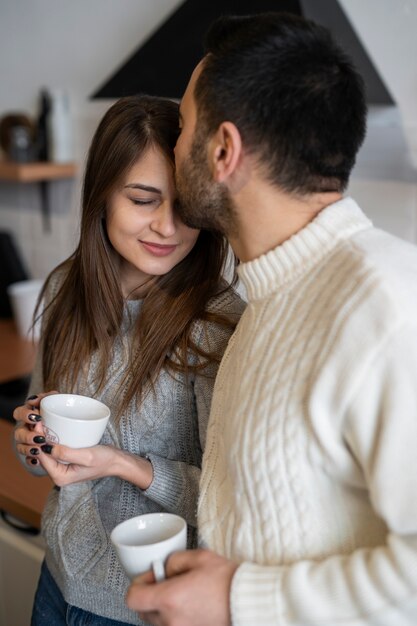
[
  {"x": 331, "y": 15},
  {"x": 162, "y": 65}
]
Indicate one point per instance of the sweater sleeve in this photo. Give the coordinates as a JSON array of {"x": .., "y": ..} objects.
[
  {"x": 371, "y": 585},
  {"x": 175, "y": 484}
]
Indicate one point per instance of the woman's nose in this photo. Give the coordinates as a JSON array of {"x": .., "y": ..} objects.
[{"x": 163, "y": 220}]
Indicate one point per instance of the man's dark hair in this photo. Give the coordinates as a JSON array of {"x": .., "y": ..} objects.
[{"x": 294, "y": 95}]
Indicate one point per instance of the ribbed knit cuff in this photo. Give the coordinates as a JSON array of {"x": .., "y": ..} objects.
[
  {"x": 167, "y": 486},
  {"x": 255, "y": 596}
]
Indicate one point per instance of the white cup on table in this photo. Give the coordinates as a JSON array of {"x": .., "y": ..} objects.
[{"x": 144, "y": 542}]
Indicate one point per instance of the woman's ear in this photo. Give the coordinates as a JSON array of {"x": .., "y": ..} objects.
[{"x": 225, "y": 152}]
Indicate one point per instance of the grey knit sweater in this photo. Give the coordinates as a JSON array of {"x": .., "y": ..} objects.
[{"x": 169, "y": 429}]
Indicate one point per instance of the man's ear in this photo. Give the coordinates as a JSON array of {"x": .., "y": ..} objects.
[{"x": 225, "y": 151}]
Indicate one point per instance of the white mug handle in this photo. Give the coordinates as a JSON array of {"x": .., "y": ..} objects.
[{"x": 158, "y": 569}]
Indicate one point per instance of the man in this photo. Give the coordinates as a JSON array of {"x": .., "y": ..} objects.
[{"x": 308, "y": 494}]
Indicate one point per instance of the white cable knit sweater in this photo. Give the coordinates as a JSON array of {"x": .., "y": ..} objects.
[{"x": 310, "y": 470}]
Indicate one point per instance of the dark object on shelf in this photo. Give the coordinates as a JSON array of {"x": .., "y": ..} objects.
[
  {"x": 13, "y": 393},
  {"x": 42, "y": 139},
  {"x": 21, "y": 145},
  {"x": 12, "y": 270},
  {"x": 17, "y": 133}
]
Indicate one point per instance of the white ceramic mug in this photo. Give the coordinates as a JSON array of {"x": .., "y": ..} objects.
[
  {"x": 145, "y": 542},
  {"x": 73, "y": 420}
]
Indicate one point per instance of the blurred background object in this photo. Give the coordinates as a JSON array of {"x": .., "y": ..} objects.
[
  {"x": 13, "y": 390},
  {"x": 23, "y": 297},
  {"x": 12, "y": 270},
  {"x": 17, "y": 134},
  {"x": 42, "y": 127},
  {"x": 59, "y": 132}
]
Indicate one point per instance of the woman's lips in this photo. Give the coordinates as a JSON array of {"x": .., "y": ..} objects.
[{"x": 158, "y": 249}]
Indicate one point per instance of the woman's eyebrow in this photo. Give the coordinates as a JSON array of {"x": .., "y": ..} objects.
[{"x": 143, "y": 187}]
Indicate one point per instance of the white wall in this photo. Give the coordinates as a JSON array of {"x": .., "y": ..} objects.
[
  {"x": 387, "y": 29},
  {"x": 78, "y": 44},
  {"x": 385, "y": 178},
  {"x": 55, "y": 43}
]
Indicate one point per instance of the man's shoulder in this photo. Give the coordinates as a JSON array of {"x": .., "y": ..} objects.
[
  {"x": 390, "y": 263},
  {"x": 369, "y": 286},
  {"x": 383, "y": 247}
]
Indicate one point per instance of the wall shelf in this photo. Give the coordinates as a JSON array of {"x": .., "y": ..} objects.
[{"x": 36, "y": 171}]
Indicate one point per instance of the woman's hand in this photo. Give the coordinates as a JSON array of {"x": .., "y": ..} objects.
[
  {"x": 70, "y": 465},
  {"x": 29, "y": 434},
  {"x": 67, "y": 465},
  {"x": 79, "y": 464}
]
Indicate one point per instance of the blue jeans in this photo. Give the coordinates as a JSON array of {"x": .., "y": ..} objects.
[{"x": 50, "y": 608}]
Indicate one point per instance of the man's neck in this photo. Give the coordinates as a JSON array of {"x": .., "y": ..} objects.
[{"x": 267, "y": 216}]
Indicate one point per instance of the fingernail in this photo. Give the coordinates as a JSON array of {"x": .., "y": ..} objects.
[
  {"x": 34, "y": 418},
  {"x": 39, "y": 439},
  {"x": 34, "y": 451},
  {"x": 32, "y": 398},
  {"x": 34, "y": 461},
  {"x": 47, "y": 448}
]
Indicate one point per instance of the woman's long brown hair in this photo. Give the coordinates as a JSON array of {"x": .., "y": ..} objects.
[{"x": 84, "y": 317}]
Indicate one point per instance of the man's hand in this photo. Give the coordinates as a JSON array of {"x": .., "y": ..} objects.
[{"x": 196, "y": 592}]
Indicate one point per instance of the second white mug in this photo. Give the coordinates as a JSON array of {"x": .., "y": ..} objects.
[{"x": 145, "y": 540}]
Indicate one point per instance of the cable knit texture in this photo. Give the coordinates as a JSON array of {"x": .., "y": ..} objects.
[
  {"x": 309, "y": 475},
  {"x": 170, "y": 430}
]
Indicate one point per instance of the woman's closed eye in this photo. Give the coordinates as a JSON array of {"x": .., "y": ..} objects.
[{"x": 142, "y": 201}]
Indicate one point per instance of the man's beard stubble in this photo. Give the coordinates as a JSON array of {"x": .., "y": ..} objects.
[{"x": 203, "y": 203}]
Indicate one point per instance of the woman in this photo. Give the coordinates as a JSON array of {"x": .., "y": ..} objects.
[{"x": 138, "y": 318}]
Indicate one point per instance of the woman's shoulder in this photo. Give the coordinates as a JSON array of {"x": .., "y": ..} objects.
[
  {"x": 55, "y": 280},
  {"x": 225, "y": 309},
  {"x": 227, "y": 301}
]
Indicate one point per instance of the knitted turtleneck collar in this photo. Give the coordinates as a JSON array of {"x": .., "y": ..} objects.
[{"x": 303, "y": 250}]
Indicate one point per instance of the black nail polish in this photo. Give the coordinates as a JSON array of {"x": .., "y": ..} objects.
[
  {"x": 47, "y": 448},
  {"x": 39, "y": 439},
  {"x": 32, "y": 398},
  {"x": 34, "y": 418},
  {"x": 34, "y": 451},
  {"x": 34, "y": 461}
]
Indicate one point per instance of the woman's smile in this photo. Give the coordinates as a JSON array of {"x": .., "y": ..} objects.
[{"x": 158, "y": 249}]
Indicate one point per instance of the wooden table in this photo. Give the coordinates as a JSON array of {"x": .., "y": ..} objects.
[
  {"x": 17, "y": 356},
  {"x": 21, "y": 494}
]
